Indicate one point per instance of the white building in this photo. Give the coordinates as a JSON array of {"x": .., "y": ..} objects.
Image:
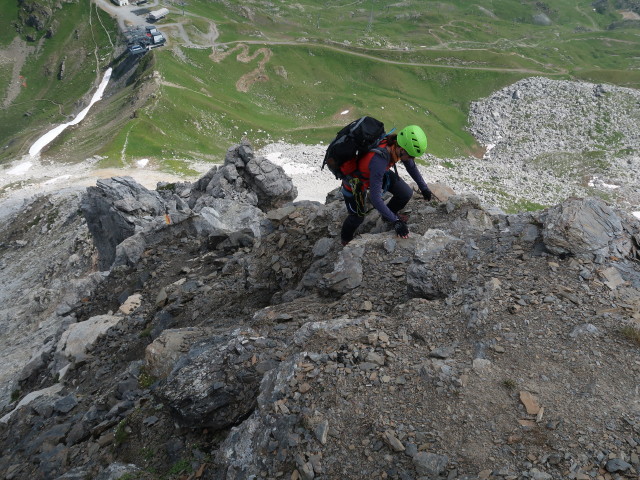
[
  {"x": 120, "y": 3},
  {"x": 158, "y": 14}
]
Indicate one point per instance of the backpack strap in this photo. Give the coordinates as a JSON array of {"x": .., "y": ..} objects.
[{"x": 385, "y": 153}]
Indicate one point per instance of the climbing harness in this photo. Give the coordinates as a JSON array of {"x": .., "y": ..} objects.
[{"x": 358, "y": 191}]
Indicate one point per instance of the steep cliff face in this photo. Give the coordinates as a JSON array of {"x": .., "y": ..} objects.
[{"x": 252, "y": 345}]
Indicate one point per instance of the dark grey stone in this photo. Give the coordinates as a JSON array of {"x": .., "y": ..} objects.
[
  {"x": 213, "y": 385},
  {"x": 617, "y": 465},
  {"x": 430, "y": 464},
  {"x": 65, "y": 404}
]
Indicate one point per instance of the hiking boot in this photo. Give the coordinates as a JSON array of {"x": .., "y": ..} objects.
[{"x": 404, "y": 218}]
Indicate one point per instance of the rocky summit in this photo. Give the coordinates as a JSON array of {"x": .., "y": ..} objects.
[{"x": 218, "y": 330}]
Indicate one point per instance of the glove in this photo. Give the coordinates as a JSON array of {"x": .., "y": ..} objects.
[
  {"x": 426, "y": 193},
  {"x": 401, "y": 228}
]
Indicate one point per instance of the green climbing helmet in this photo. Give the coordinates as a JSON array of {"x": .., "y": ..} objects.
[{"x": 413, "y": 140}]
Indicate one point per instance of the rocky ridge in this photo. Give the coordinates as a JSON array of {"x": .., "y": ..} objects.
[{"x": 231, "y": 336}]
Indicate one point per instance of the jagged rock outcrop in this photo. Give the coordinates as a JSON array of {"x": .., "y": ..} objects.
[
  {"x": 587, "y": 227},
  {"x": 248, "y": 179},
  {"x": 115, "y": 208},
  {"x": 36, "y": 14},
  {"x": 225, "y": 200}
]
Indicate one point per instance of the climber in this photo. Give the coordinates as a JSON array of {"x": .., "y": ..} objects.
[{"x": 373, "y": 172}]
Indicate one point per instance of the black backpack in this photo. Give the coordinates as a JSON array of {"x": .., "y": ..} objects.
[{"x": 353, "y": 141}]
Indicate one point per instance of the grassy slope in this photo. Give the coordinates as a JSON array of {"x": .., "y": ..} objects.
[
  {"x": 8, "y": 10},
  {"x": 46, "y": 100},
  {"x": 339, "y": 55},
  {"x": 208, "y": 113}
]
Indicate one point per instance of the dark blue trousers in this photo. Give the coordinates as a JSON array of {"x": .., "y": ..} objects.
[{"x": 401, "y": 195}]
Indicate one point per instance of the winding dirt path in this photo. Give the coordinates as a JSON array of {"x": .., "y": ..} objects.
[
  {"x": 208, "y": 40},
  {"x": 558, "y": 70},
  {"x": 248, "y": 79}
]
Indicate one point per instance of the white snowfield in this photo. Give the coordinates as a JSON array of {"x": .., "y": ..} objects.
[{"x": 48, "y": 137}]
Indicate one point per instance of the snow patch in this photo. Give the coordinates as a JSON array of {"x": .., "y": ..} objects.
[
  {"x": 289, "y": 166},
  {"x": 57, "y": 179},
  {"x": 48, "y": 137},
  {"x": 20, "y": 169},
  {"x": 142, "y": 162}
]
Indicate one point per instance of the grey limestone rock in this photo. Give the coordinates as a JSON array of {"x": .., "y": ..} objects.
[
  {"x": 228, "y": 215},
  {"x": 240, "y": 456},
  {"x": 245, "y": 178},
  {"x": 115, "y": 471},
  {"x": 584, "y": 228},
  {"x": 115, "y": 209},
  {"x": 347, "y": 272},
  {"x": 130, "y": 250}
]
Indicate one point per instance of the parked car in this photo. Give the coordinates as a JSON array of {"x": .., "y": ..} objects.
[{"x": 136, "y": 49}]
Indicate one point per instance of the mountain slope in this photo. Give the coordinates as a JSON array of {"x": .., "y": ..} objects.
[
  {"x": 278, "y": 71},
  {"x": 484, "y": 346},
  {"x": 67, "y": 46}
]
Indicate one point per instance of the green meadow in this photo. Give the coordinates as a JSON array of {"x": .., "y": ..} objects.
[
  {"x": 82, "y": 42},
  {"x": 289, "y": 71}
]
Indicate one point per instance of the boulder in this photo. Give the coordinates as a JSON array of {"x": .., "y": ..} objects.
[
  {"x": 79, "y": 336},
  {"x": 164, "y": 352},
  {"x": 347, "y": 272},
  {"x": 130, "y": 250},
  {"x": 51, "y": 391},
  {"x": 584, "y": 228},
  {"x": 422, "y": 280},
  {"x": 240, "y": 455},
  {"x": 215, "y": 385},
  {"x": 230, "y": 216}
]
